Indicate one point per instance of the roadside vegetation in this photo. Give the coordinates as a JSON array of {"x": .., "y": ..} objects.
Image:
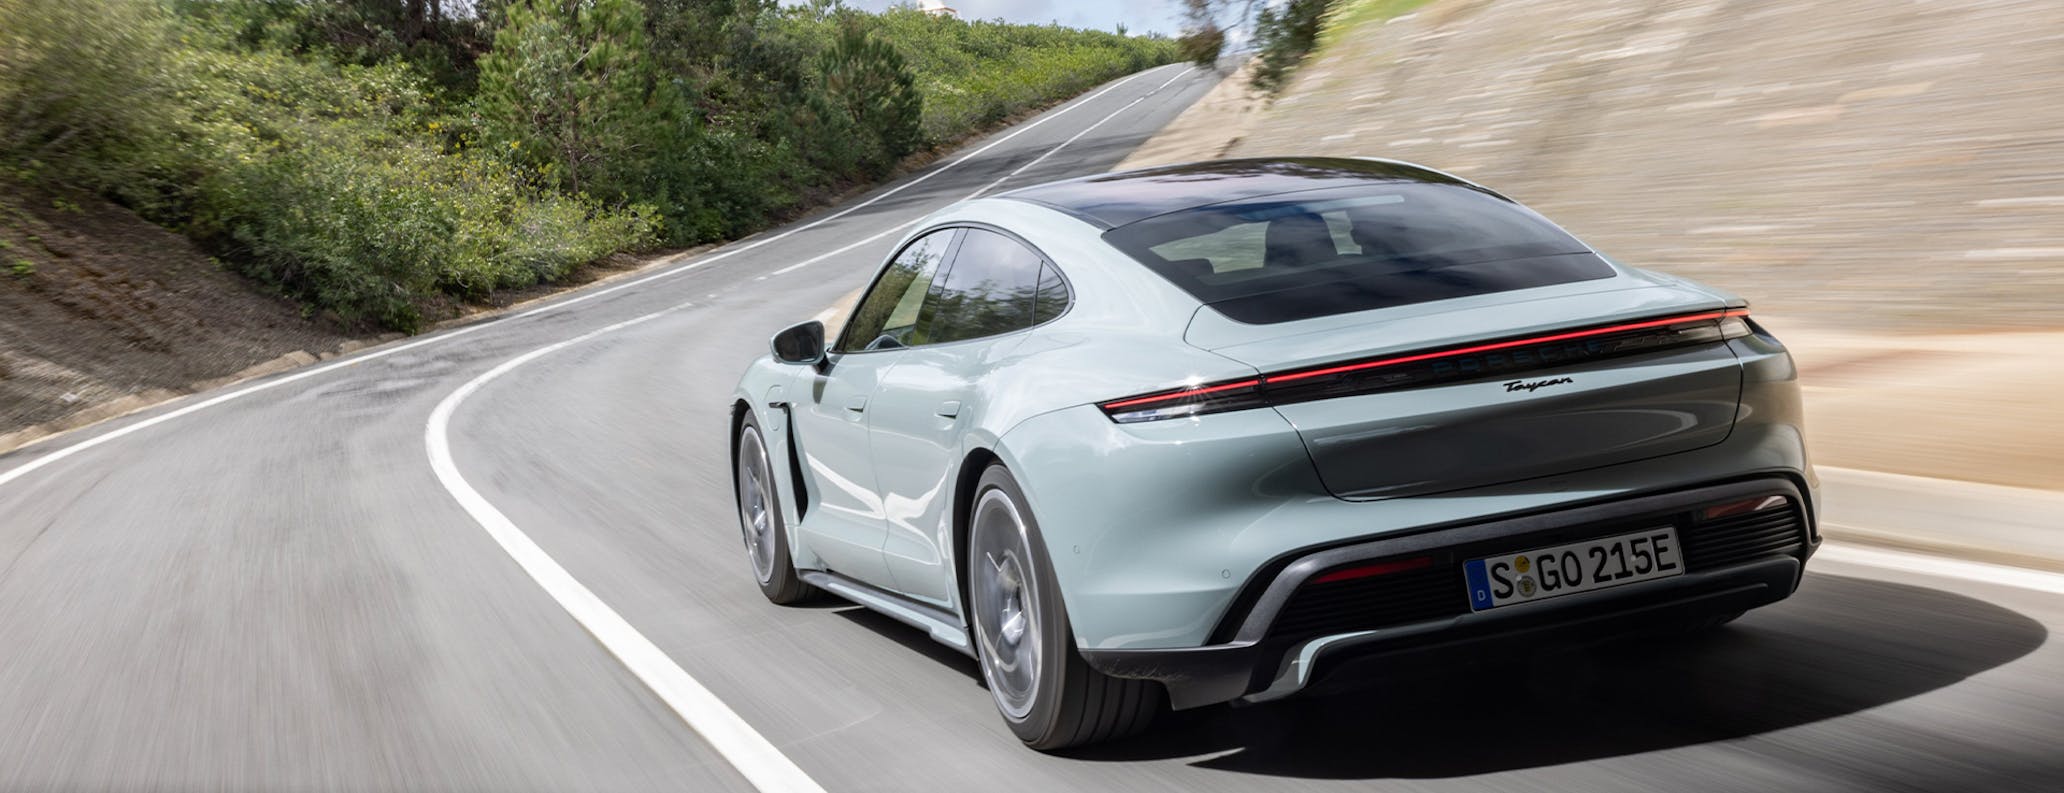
[
  {"x": 1283, "y": 36},
  {"x": 1284, "y": 33},
  {"x": 377, "y": 159}
]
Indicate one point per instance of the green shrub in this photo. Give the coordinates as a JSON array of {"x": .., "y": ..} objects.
[
  {"x": 334, "y": 183},
  {"x": 85, "y": 94},
  {"x": 344, "y": 151},
  {"x": 973, "y": 74}
]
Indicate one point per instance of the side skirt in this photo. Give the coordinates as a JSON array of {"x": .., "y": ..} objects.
[{"x": 943, "y": 626}]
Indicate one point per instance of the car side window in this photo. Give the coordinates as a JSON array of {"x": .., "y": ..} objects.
[
  {"x": 992, "y": 288},
  {"x": 888, "y": 318},
  {"x": 1053, "y": 296}
]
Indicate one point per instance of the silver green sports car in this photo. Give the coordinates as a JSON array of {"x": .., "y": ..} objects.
[{"x": 1227, "y": 431}]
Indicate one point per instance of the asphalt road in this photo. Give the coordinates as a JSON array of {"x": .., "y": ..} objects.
[{"x": 275, "y": 589}]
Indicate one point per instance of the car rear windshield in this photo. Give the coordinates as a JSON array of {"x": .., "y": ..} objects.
[{"x": 1315, "y": 253}]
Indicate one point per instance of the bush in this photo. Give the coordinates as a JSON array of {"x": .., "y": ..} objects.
[
  {"x": 333, "y": 183},
  {"x": 973, "y": 74},
  {"x": 369, "y": 158},
  {"x": 85, "y": 95}
]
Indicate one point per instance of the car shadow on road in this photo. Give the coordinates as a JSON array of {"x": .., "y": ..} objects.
[
  {"x": 1840, "y": 646},
  {"x": 914, "y": 639}
]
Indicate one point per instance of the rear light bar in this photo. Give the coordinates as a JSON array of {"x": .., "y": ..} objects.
[{"x": 1497, "y": 358}]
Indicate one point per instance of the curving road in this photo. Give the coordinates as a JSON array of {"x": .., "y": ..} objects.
[{"x": 503, "y": 557}]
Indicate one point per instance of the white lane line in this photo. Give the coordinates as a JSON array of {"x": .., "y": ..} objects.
[
  {"x": 48, "y": 459},
  {"x": 847, "y": 247},
  {"x": 1977, "y": 572},
  {"x": 752, "y": 754},
  {"x": 984, "y": 188},
  {"x": 856, "y": 207},
  {"x": 756, "y": 758},
  {"x": 1077, "y": 136},
  {"x": 24, "y": 469}
]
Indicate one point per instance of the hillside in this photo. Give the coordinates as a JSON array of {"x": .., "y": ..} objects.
[
  {"x": 1849, "y": 162},
  {"x": 239, "y": 182},
  {"x": 98, "y": 306}
]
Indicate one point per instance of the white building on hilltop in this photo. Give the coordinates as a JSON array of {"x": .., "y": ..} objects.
[{"x": 936, "y": 8}]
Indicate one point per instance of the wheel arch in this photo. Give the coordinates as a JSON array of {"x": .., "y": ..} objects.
[
  {"x": 739, "y": 407},
  {"x": 788, "y": 469},
  {"x": 976, "y": 461}
]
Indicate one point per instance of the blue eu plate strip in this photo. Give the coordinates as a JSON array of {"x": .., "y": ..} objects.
[{"x": 1479, "y": 584}]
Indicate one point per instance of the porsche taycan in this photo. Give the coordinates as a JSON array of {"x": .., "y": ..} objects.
[{"x": 1229, "y": 431}]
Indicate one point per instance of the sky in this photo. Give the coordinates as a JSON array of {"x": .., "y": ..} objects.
[{"x": 1138, "y": 16}]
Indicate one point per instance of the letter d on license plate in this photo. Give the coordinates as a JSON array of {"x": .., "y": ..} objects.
[{"x": 1568, "y": 569}]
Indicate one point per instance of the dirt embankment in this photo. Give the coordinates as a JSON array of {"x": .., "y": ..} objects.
[
  {"x": 102, "y": 312},
  {"x": 1883, "y": 180}
]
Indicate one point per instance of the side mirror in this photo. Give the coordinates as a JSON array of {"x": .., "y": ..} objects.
[{"x": 800, "y": 344}]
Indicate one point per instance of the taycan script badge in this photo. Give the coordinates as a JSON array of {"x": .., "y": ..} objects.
[{"x": 1535, "y": 385}]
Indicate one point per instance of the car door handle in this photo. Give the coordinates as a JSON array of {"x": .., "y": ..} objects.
[
  {"x": 857, "y": 404},
  {"x": 949, "y": 409}
]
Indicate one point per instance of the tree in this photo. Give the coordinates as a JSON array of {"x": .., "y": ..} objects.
[
  {"x": 869, "y": 94},
  {"x": 1202, "y": 39},
  {"x": 1283, "y": 36},
  {"x": 568, "y": 89}
]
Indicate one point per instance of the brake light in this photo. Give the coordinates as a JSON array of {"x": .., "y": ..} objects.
[
  {"x": 1374, "y": 569},
  {"x": 1498, "y": 358}
]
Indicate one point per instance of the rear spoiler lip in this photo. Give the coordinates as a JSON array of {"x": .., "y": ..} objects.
[
  {"x": 1634, "y": 294},
  {"x": 1274, "y": 388},
  {"x": 1301, "y": 374}
]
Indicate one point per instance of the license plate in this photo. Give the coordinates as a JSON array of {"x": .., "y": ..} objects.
[{"x": 1568, "y": 569}]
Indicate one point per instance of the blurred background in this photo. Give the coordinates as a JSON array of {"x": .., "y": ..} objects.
[{"x": 200, "y": 189}]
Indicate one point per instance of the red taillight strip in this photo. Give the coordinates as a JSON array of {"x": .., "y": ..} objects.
[
  {"x": 1372, "y": 570},
  {"x": 1579, "y": 334},
  {"x": 1125, "y": 403},
  {"x": 1272, "y": 379}
]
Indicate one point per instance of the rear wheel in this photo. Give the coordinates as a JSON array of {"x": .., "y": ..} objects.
[
  {"x": 759, "y": 519},
  {"x": 1050, "y": 698}
]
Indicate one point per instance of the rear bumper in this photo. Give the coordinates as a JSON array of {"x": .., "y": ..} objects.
[{"x": 1265, "y": 648}]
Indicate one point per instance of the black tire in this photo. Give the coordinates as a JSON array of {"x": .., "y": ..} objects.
[
  {"x": 1069, "y": 704},
  {"x": 776, "y": 573}
]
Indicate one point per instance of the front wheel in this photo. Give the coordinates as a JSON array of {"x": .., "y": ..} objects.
[
  {"x": 1050, "y": 698},
  {"x": 759, "y": 519}
]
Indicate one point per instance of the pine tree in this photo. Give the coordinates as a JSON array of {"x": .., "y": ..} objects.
[
  {"x": 568, "y": 89},
  {"x": 869, "y": 91}
]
